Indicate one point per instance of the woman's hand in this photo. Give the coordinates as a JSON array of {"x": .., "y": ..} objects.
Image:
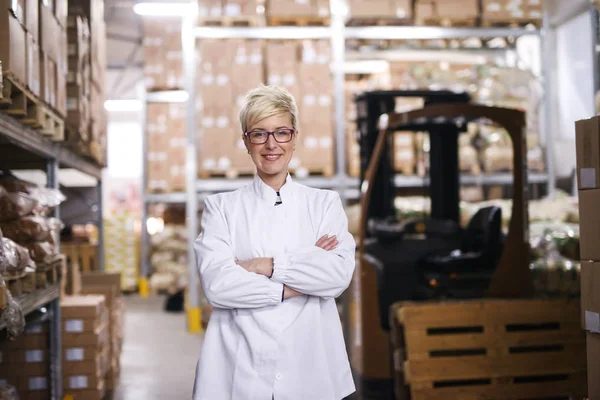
[
  {"x": 260, "y": 266},
  {"x": 288, "y": 293},
  {"x": 327, "y": 242}
]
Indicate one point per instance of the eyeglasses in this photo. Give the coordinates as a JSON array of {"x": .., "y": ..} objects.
[{"x": 282, "y": 135}]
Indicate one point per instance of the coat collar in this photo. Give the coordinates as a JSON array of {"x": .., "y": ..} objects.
[{"x": 267, "y": 193}]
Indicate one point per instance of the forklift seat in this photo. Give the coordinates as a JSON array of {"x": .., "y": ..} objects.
[{"x": 480, "y": 248}]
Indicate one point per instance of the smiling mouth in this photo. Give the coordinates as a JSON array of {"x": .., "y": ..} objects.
[{"x": 272, "y": 157}]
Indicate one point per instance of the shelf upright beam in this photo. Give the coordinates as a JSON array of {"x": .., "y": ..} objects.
[
  {"x": 55, "y": 358},
  {"x": 548, "y": 65},
  {"x": 145, "y": 237},
  {"x": 338, "y": 48},
  {"x": 194, "y": 313}
]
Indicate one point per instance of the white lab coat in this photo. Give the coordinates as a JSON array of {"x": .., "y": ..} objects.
[{"x": 257, "y": 346}]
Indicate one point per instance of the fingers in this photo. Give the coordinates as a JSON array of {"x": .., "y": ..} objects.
[{"x": 327, "y": 243}]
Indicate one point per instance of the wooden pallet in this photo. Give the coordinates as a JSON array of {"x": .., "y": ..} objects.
[
  {"x": 248, "y": 20},
  {"x": 20, "y": 284},
  {"x": 488, "y": 22},
  {"x": 448, "y": 22},
  {"x": 21, "y": 103},
  {"x": 379, "y": 21},
  {"x": 489, "y": 349},
  {"x": 298, "y": 21},
  {"x": 231, "y": 173},
  {"x": 50, "y": 273}
]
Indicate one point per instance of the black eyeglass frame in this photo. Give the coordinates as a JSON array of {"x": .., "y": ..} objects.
[{"x": 293, "y": 132}]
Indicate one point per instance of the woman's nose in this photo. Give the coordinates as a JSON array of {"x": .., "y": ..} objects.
[{"x": 271, "y": 143}]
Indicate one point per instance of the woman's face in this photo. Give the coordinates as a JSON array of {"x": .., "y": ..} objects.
[{"x": 272, "y": 158}]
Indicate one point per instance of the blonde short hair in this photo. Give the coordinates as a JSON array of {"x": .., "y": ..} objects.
[{"x": 266, "y": 101}]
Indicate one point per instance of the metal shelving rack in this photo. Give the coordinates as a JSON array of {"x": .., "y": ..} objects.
[
  {"x": 24, "y": 148},
  {"x": 338, "y": 33}
]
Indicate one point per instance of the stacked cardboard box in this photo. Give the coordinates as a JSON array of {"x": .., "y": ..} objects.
[
  {"x": 402, "y": 9},
  {"x": 109, "y": 285},
  {"x": 78, "y": 83},
  {"x": 86, "y": 350},
  {"x": 86, "y": 67},
  {"x": 24, "y": 363},
  {"x": 214, "y": 88},
  {"x": 445, "y": 11},
  {"x": 247, "y": 73},
  {"x": 502, "y": 11},
  {"x": 166, "y": 149},
  {"x": 315, "y": 147},
  {"x": 587, "y": 137},
  {"x": 298, "y": 8},
  {"x": 214, "y": 9},
  {"x": 163, "y": 64}
]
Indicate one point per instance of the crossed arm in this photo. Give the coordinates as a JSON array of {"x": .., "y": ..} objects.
[{"x": 324, "y": 269}]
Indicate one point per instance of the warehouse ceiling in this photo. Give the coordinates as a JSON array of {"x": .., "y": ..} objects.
[{"x": 125, "y": 54}]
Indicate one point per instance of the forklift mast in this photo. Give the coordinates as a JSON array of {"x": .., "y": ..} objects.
[{"x": 444, "y": 168}]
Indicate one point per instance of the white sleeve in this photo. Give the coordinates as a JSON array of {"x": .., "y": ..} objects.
[
  {"x": 226, "y": 284},
  {"x": 314, "y": 271}
]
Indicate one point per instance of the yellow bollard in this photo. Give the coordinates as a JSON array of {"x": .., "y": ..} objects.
[
  {"x": 194, "y": 320},
  {"x": 68, "y": 397},
  {"x": 144, "y": 289}
]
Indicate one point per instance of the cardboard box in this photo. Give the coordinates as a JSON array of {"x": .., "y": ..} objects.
[
  {"x": 98, "y": 339},
  {"x": 16, "y": 8},
  {"x": 590, "y": 296},
  {"x": 90, "y": 306},
  {"x": 593, "y": 365},
  {"x": 23, "y": 356},
  {"x": 49, "y": 32},
  {"x": 290, "y": 8},
  {"x": 82, "y": 382},
  {"x": 48, "y": 79},
  {"x": 61, "y": 94},
  {"x": 12, "y": 46},
  {"x": 210, "y": 8},
  {"x": 589, "y": 224},
  {"x": 32, "y": 19},
  {"x": 587, "y": 142},
  {"x": 79, "y": 354},
  {"x": 33, "y": 66},
  {"x": 61, "y": 12},
  {"x": 372, "y": 8}
]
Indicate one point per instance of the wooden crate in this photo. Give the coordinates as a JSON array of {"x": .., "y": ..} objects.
[
  {"x": 489, "y": 349},
  {"x": 83, "y": 254}
]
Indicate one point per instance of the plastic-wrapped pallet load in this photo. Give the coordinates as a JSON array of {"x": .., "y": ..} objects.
[
  {"x": 121, "y": 252},
  {"x": 85, "y": 337}
]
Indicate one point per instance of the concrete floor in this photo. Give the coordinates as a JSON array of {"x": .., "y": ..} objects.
[{"x": 159, "y": 356}]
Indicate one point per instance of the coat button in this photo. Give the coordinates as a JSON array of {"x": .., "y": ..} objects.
[{"x": 278, "y": 377}]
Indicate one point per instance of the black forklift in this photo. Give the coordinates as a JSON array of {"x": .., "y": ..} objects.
[{"x": 429, "y": 258}]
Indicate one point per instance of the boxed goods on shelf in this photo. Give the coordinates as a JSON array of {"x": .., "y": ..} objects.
[
  {"x": 507, "y": 11},
  {"x": 168, "y": 257},
  {"x": 228, "y": 69},
  {"x": 446, "y": 12},
  {"x": 587, "y": 141},
  {"x": 109, "y": 285},
  {"x": 163, "y": 67},
  {"x": 400, "y": 10},
  {"x": 166, "y": 147},
  {"x": 25, "y": 362},
  {"x": 85, "y": 339},
  {"x": 12, "y": 47}
]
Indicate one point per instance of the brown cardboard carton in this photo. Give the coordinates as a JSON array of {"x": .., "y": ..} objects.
[
  {"x": 82, "y": 382},
  {"x": 32, "y": 19},
  {"x": 77, "y": 354},
  {"x": 290, "y": 8},
  {"x": 587, "y": 142},
  {"x": 61, "y": 12},
  {"x": 593, "y": 365},
  {"x": 49, "y": 32},
  {"x": 90, "y": 306},
  {"x": 61, "y": 93},
  {"x": 91, "y": 367},
  {"x": 210, "y": 8},
  {"x": 34, "y": 384},
  {"x": 12, "y": 46},
  {"x": 590, "y": 297},
  {"x": 589, "y": 224},
  {"x": 372, "y": 8},
  {"x": 24, "y": 356},
  {"x": 16, "y": 8},
  {"x": 98, "y": 339},
  {"x": 33, "y": 66}
]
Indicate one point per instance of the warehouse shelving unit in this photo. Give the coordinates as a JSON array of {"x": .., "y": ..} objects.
[
  {"x": 338, "y": 33},
  {"x": 24, "y": 148}
]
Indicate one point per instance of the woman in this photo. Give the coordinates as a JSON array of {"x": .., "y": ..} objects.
[{"x": 272, "y": 257}]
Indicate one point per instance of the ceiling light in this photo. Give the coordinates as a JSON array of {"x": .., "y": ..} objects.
[{"x": 122, "y": 105}]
